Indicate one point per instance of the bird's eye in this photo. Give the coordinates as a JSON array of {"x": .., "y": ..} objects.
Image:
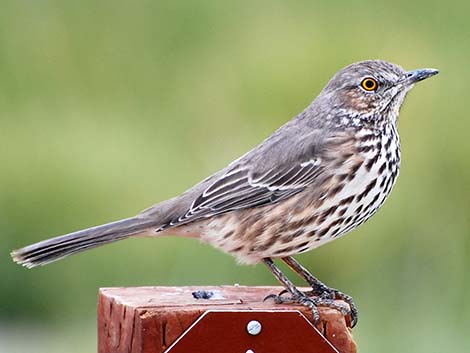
[{"x": 369, "y": 84}]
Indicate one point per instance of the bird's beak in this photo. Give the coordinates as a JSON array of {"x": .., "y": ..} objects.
[{"x": 418, "y": 75}]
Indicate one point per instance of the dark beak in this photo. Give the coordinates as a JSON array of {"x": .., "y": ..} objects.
[{"x": 419, "y": 75}]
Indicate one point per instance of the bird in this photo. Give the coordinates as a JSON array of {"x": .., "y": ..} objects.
[{"x": 316, "y": 178}]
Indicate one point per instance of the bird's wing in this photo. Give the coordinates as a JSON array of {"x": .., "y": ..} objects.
[
  {"x": 241, "y": 187},
  {"x": 277, "y": 169}
]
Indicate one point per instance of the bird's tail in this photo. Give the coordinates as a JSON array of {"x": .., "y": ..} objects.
[{"x": 54, "y": 249}]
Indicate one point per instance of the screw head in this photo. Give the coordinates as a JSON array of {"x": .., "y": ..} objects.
[{"x": 253, "y": 327}]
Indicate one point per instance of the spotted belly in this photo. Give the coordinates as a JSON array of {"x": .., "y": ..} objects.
[{"x": 313, "y": 217}]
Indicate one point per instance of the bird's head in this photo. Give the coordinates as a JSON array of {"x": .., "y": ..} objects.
[{"x": 371, "y": 90}]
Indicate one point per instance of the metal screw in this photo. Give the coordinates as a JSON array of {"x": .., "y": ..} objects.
[{"x": 253, "y": 327}]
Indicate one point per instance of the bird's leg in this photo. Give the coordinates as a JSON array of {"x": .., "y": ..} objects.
[
  {"x": 296, "y": 296},
  {"x": 322, "y": 290}
]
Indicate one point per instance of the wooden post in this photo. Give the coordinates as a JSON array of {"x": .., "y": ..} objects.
[{"x": 170, "y": 319}]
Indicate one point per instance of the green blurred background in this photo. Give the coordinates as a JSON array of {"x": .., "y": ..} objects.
[{"x": 109, "y": 107}]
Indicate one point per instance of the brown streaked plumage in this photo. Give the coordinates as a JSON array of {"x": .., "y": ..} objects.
[{"x": 316, "y": 178}]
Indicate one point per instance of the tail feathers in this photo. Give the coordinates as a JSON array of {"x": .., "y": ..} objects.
[{"x": 54, "y": 249}]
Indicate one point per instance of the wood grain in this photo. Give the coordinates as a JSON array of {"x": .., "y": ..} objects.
[{"x": 150, "y": 319}]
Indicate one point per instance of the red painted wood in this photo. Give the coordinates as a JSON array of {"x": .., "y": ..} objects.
[
  {"x": 226, "y": 332},
  {"x": 150, "y": 319}
]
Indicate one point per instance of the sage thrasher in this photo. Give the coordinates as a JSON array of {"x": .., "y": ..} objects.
[{"x": 316, "y": 178}]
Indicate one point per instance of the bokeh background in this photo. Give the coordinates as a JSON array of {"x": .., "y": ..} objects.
[{"x": 109, "y": 107}]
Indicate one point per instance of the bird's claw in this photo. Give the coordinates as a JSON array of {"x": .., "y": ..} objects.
[
  {"x": 313, "y": 300},
  {"x": 276, "y": 296},
  {"x": 298, "y": 298},
  {"x": 331, "y": 294},
  {"x": 353, "y": 312}
]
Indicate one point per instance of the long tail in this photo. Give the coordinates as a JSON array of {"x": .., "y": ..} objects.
[{"x": 54, "y": 249}]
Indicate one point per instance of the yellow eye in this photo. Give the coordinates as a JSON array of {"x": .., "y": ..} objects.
[{"x": 369, "y": 84}]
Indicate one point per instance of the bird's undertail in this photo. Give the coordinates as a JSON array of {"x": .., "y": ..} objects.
[{"x": 54, "y": 249}]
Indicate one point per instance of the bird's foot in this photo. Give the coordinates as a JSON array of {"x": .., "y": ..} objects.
[
  {"x": 320, "y": 295},
  {"x": 321, "y": 290},
  {"x": 312, "y": 302},
  {"x": 327, "y": 293}
]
